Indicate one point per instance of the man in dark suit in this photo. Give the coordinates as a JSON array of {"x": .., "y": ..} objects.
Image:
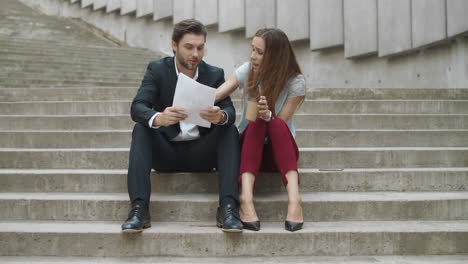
[{"x": 163, "y": 141}]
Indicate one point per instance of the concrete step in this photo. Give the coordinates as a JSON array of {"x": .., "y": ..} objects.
[
  {"x": 191, "y": 207},
  {"x": 309, "y": 106},
  {"x": 29, "y": 44},
  {"x": 67, "y": 65},
  {"x": 62, "y": 82},
  {"x": 321, "y": 158},
  {"x": 312, "y": 180},
  {"x": 100, "y": 60},
  {"x": 104, "y": 239},
  {"x": 73, "y": 51},
  {"x": 459, "y": 259},
  {"x": 304, "y": 137},
  {"x": 51, "y": 73},
  {"x": 388, "y": 93},
  {"x": 67, "y": 94},
  {"x": 68, "y": 76},
  {"x": 303, "y": 121}
]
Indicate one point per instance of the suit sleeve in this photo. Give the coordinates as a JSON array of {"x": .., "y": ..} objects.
[
  {"x": 226, "y": 103},
  {"x": 142, "y": 105}
]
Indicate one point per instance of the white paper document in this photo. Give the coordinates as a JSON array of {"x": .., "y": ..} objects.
[{"x": 193, "y": 97}]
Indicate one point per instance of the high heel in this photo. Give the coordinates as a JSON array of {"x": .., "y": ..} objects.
[
  {"x": 292, "y": 226},
  {"x": 254, "y": 226}
]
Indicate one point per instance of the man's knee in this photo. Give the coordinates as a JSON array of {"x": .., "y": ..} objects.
[
  {"x": 140, "y": 132},
  {"x": 278, "y": 123}
]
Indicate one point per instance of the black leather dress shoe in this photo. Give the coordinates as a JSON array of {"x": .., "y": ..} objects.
[
  {"x": 228, "y": 219},
  {"x": 293, "y": 226},
  {"x": 254, "y": 226},
  {"x": 138, "y": 218}
]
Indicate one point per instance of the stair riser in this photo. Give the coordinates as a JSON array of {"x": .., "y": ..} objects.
[
  {"x": 67, "y": 94},
  {"x": 301, "y": 121},
  {"x": 246, "y": 244},
  {"x": 326, "y": 159},
  {"x": 74, "y": 59},
  {"x": 406, "y": 181},
  {"x": 112, "y": 139},
  {"x": 312, "y": 107},
  {"x": 73, "y": 76},
  {"x": 387, "y": 94},
  {"x": 269, "y": 211}
]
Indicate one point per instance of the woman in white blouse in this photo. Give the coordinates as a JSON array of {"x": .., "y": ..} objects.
[{"x": 273, "y": 80}]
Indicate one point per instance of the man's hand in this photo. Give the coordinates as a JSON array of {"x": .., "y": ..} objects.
[
  {"x": 170, "y": 116},
  {"x": 263, "y": 110},
  {"x": 213, "y": 115}
]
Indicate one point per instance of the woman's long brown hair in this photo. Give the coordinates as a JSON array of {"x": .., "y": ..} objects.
[{"x": 278, "y": 66}]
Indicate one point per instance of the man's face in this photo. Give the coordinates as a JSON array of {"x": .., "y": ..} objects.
[{"x": 189, "y": 51}]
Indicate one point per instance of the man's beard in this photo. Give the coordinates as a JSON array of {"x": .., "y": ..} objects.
[{"x": 186, "y": 65}]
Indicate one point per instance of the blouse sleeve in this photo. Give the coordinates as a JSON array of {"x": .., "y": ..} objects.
[
  {"x": 297, "y": 87},
  {"x": 241, "y": 73}
]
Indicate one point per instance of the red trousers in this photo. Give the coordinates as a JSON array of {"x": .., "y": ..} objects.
[{"x": 280, "y": 153}]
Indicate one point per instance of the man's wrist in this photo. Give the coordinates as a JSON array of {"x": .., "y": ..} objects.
[{"x": 224, "y": 118}]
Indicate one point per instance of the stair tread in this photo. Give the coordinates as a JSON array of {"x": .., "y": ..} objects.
[
  {"x": 270, "y": 197},
  {"x": 113, "y": 227}
]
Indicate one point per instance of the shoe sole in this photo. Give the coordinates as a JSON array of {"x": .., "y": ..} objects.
[
  {"x": 136, "y": 230},
  {"x": 228, "y": 230}
]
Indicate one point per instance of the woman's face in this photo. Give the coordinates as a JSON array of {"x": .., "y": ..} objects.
[{"x": 258, "y": 49}]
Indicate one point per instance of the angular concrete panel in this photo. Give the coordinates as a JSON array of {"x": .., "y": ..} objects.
[
  {"x": 162, "y": 9},
  {"x": 113, "y": 5},
  {"x": 86, "y": 3},
  {"x": 206, "y": 11},
  {"x": 183, "y": 9},
  {"x": 74, "y": 1},
  {"x": 144, "y": 8},
  {"x": 259, "y": 14},
  {"x": 128, "y": 6},
  {"x": 293, "y": 18},
  {"x": 360, "y": 27},
  {"x": 231, "y": 15},
  {"x": 98, "y": 4},
  {"x": 394, "y": 26},
  {"x": 457, "y": 17},
  {"x": 428, "y": 21},
  {"x": 326, "y": 24}
]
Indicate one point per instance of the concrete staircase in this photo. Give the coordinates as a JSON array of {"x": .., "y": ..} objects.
[{"x": 384, "y": 171}]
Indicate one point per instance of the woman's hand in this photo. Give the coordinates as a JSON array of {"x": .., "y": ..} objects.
[{"x": 263, "y": 110}]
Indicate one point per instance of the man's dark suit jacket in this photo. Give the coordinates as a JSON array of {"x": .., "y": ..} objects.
[{"x": 157, "y": 92}]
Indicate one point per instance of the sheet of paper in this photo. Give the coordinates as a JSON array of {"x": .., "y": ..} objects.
[{"x": 193, "y": 97}]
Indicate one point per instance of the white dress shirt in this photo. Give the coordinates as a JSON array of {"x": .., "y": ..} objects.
[{"x": 187, "y": 131}]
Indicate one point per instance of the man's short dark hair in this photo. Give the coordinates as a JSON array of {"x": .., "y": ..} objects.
[{"x": 188, "y": 26}]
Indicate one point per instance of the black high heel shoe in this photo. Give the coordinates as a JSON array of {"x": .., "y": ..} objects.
[
  {"x": 293, "y": 226},
  {"x": 254, "y": 226}
]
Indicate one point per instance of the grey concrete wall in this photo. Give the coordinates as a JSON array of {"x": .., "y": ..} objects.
[
  {"x": 457, "y": 18},
  {"x": 206, "y": 11},
  {"x": 98, "y": 4},
  {"x": 144, "y": 8},
  {"x": 360, "y": 27},
  {"x": 231, "y": 15},
  {"x": 112, "y": 5},
  {"x": 394, "y": 26},
  {"x": 326, "y": 24},
  {"x": 429, "y": 21},
  {"x": 259, "y": 14},
  {"x": 128, "y": 6},
  {"x": 162, "y": 9},
  {"x": 442, "y": 66},
  {"x": 293, "y": 18},
  {"x": 183, "y": 9}
]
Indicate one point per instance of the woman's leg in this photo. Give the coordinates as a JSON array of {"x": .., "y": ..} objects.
[
  {"x": 251, "y": 157},
  {"x": 286, "y": 154}
]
